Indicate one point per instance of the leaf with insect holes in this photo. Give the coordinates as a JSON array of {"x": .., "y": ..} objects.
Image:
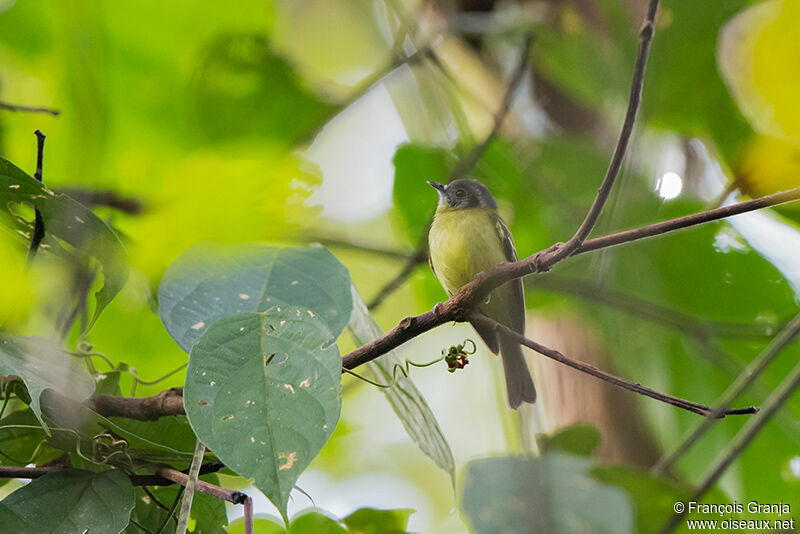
[
  {"x": 41, "y": 365},
  {"x": 65, "y": 221},
  {"x": 70, "y": 502},
  {"x": 209, "y": 282},
  {"x": 263, "y": 392}
]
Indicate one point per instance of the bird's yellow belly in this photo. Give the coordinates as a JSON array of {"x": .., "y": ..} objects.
[{"x": 463, "y": 244}]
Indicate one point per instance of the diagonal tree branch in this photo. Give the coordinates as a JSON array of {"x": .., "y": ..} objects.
[
  {"x": 645, "y": 38},
  {"x": 693, "y": 407},
  {"x": 28, "y": 109},
  {"x": 458, "y": 307}
]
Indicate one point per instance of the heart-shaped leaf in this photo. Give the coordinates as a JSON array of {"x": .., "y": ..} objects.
[
  {"x": 70, "y": 501},
  {"x": 68, "y": 221},
  {"x": 209, "y": 282},
  {"x": 263, "y": 392}
]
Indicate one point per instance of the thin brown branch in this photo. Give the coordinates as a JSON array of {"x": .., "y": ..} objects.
[
  {"x": 28, "y": 109},
  {"x": 107, "y": 198},
  {"x": 38, "y": 222},
  {"x": 166, "y": 403},
  {"x": 178, "y": 477},
  {"x": 672, "y": 225},
  {"x": 458, "y": 307},
  {"x": 335, "y": 242},
  {"x": 693, "y": 407},
  {"x": 589, "y": 222}
]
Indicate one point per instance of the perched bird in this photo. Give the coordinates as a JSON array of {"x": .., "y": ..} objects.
[{"x": 468, "y": 237}]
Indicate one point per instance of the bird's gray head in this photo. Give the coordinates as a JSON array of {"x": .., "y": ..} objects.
[{"x": 463, "y": 194}]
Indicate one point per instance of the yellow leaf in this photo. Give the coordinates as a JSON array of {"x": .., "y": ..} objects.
[{"x": 759, "y": 57}]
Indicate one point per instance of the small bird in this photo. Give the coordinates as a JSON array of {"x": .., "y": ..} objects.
[{"x": 467, "y": 238}]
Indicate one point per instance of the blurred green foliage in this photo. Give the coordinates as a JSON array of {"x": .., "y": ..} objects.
[{"x": 200, "y": 116}]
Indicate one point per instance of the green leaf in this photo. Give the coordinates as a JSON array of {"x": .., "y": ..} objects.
[
  {"x": 263, "y": 392},
  {"x": 414, "y": 199},
  {"x": 210, "y": 282},
  {"x": 262, "y": 523},
  {"x": 17, "y": 445},
  {"x": 208, "y": 512},
  {"x": 68, "y": 221},
  {"x": 41, "y": 365},
  {"x": 406, "y": 400},
  {"x": 686, "y": 50},
  {"x": 551, "y": 493},
  {"x": 70, "y": 501},
  {"x": 580, "y": 439},
  {"x": 374, "y": 521},
  {"x": 316, "y": 522},
  {"x": 654, "y": 497},
  {"x": 244, "y": 89}
]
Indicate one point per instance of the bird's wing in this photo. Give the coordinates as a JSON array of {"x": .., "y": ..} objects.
[{"x": 517, "y": 303}]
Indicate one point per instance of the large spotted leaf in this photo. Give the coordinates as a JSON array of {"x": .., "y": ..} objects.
[
  {"x": 263, "y": 392},
  {"x": 209, "y": 282}
]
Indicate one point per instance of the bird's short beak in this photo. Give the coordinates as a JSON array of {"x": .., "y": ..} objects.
[{"x": 436, "y": 185}]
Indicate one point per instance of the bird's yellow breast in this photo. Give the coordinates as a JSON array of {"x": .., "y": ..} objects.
[{"x": 462, "y": 244}]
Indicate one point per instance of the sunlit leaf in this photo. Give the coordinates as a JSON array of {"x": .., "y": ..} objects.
[
  {"x": 208, "y": 283},
  {"x": 761, "y": 64},
  {"x": 550, "y": 493},
  {"x": 65, "y": 221},
  {"x": 262, "y": 523},
  {"x": 41, "y": 365},
  {"x": 685, "y": 49},
  {"x": 70, "y": 501},
  {"x": 315, "y": 522},
  {"x": 374, "y": 521},
  {"x": 405, "y": 399},
  {"x": 263, "y": 392}
]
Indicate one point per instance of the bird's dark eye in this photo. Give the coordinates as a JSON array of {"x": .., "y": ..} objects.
[{"x": 460, "y": 193}]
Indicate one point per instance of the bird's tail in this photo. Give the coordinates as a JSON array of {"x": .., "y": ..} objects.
[{"x": 519, "y": 384}]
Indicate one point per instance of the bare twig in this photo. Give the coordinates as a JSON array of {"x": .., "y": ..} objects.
[
  {"x": 178, "y": 477},
  {"x": 645, "y": 38},
  {"x": 693, "y": 407},
  {"x": 742, "y": 382},
  {"x": 335, "y": 242},
  {"x": 28, "y": 109},
  {"x": 107, "y": 198},
  {"x": 652, "y": 230},
  {"x": 743, "y": 438},
  {"x": 38, "y": 222}
]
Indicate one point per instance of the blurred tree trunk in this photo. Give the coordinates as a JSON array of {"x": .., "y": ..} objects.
[{"x": 569, "y": 396}]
